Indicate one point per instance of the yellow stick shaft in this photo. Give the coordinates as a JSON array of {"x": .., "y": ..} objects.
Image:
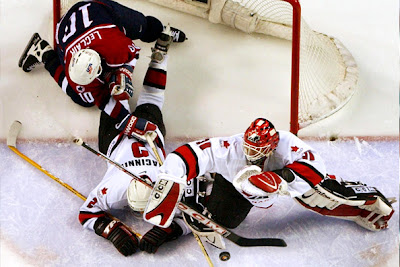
[
  {"x": 47, "y": 173},
  {"x": 58, "y": 180}
]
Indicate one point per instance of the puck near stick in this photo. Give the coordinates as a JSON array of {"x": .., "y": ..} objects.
[{"x": 224, "y": 256}]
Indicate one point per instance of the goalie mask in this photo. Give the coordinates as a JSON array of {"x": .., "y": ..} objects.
[
  {"x": 260, "y": 140},
  {"x": 138, "y": 195},
  {"x": 85, "y": 66}
]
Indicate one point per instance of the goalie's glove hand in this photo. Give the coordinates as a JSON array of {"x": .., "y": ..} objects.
[
  {"x": 118, "y": 233},
  {"x": 252, "y": 181},
  {"x": 157, "y": 236},
  {"x": 120, "y": 83},
  {"x": 133, "y": 126}
]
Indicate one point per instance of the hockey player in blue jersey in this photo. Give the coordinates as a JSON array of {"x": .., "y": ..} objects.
[{"x": 96, "y": 55}]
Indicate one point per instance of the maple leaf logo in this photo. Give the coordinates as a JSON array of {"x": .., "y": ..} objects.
[
  {"x": 104, "y": 190},
  {"x": 294, "y": 148}
]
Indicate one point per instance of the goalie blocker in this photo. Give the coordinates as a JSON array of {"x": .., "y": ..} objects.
[{"x": 352, "y": 201}]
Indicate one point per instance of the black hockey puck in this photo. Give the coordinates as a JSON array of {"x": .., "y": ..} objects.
[{"x": 224, "y": 256}]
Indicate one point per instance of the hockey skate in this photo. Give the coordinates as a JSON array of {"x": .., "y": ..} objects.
[
  {"x": 35, "y": 53},
  {"x": 178, "y": 36},
  {"x": 168, "y": 35}
]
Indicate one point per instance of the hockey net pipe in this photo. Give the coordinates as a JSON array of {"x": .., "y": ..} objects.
[{"x": 324, "y": 74}]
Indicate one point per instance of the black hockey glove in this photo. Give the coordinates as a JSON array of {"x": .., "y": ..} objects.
[
  {"x": 122, "y": 238},
  {"x": 157, "y": 236}
]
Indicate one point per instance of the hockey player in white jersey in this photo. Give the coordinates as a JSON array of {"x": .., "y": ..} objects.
[
  {"x": 261, "y": 165},
  {"x": 126, "y": 144}
]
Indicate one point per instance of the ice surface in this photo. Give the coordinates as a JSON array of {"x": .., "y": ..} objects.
[
  {"x": 219, "y": 80},
  {"x": 39, "y": 217}
]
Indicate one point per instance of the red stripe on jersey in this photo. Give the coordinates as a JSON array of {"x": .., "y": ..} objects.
[
  {"x": 84, "y": 216},
  {"x": 189, "y": 157},
  {"x": 306, "y": 172},
  {"x": 57, "y": 73},
  {"x": 155, "y": 78}
]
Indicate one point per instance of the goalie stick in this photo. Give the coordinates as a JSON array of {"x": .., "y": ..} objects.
[
  {"x": 193, "y": 212},
  {"x": 12, "y": 144}
]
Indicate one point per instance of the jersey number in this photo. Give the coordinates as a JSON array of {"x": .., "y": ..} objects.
[
  {"x": 139, "y": 150},
  {"x": 71, "y": 30}
]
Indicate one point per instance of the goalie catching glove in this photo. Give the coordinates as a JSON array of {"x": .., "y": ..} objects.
[
  {"x": 121, "y": 83},
  {"x": 118, "y": 233},
  {"x": 139, "y": 128},
  {"x": 252, "y": 181}
]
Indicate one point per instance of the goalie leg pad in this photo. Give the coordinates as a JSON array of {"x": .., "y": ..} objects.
[
  {"x": 163, "y": 202},
  {"x": 350, "y": 201}
]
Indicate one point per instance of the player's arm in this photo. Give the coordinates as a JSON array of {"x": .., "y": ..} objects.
[
  {"x": 301, "y": 173},
  {"x": 185, "y": 163},
  {"x": 93, "y": 216},
  {"x": 155, "y": 237}
]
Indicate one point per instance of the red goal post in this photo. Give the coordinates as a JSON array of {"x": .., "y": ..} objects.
[{"x": 324, "y": 74}]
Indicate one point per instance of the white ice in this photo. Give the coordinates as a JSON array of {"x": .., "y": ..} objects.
[{"x": 218, "y": 81}]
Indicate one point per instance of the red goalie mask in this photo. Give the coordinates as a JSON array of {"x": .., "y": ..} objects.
[{"x": 260, "y": 140}]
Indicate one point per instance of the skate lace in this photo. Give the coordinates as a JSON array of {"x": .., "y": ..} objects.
[{"x": 175, "y": 36}]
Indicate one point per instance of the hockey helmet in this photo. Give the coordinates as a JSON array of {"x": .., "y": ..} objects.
[
  {"x": 138, "y": 195},
  {"x": 260, "y": 140},
  {"x": 85, "y": 66}
]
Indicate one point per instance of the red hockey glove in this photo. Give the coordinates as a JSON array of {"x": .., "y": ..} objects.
[
  {"x": 252, "y": 181},
  {"x": 122, "y": 238},
  {"x": 121, "y": 83},
  {"x": 133, "y": 126},
  {"x": 157, "y": 236}
]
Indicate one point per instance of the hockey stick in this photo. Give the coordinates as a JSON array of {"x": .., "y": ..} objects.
[
  {"x": 12, "y": 144},
  {"x": 194, "y": 213},
  {"x": 203, "y": 249}
]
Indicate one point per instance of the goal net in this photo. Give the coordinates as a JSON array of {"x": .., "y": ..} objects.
[{"x": 324, "y": 74}]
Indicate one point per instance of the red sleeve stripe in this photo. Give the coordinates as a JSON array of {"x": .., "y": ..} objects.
[
  {"x": 190, "y": 159},
  {"x": 85, "y": 216},
  {"x": 307, "y": 172}
]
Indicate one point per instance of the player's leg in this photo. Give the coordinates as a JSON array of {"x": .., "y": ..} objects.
[
  {"x": 107, "y": 131},
  {"x": 354, "y": 201},
  {"x": 37, "y": 52},
  {"x": 227, "y": 206},
  {"x": 151, "y": 98}
]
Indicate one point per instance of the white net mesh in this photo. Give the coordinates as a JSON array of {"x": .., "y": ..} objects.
[{"x": 328, "y": 72}]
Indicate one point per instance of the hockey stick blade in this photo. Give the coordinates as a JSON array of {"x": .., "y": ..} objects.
[
  {"x": 238, "y": 240},
  {"x": 13, "y": 134},
  {"x": 256, "y": 242}
]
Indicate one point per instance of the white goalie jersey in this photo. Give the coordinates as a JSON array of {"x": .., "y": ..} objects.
[{"x": 225, "y": 156}]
